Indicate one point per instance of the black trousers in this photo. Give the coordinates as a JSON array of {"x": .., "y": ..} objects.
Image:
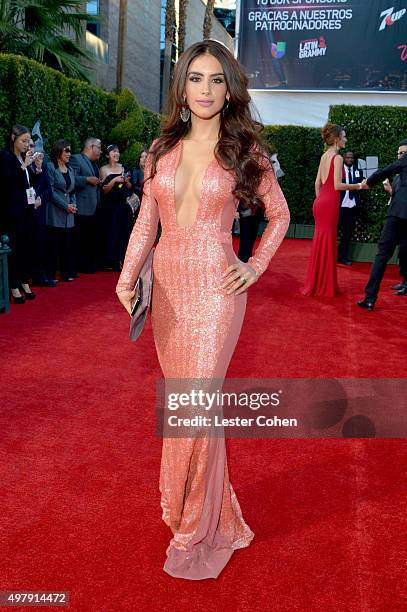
[
  {"x": 86, "y": 246},
  {"x": 347, "y": 220},
  {"x": 403, "y": 260},
  {"x": 394, "y": 233},
  {"x": 20, "y": 233},
  {"x": 39, "y": 260},
  {"x": 249, "y": 227},
  {"x": 59, "y": 252}
]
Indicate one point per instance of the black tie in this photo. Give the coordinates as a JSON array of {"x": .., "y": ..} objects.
[{"x": 350, "y": 181}]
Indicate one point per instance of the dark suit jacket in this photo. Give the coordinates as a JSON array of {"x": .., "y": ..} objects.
[
  {"x": 398, "y": 203},
  {"x": 43, "y": 190},
  {"x": 357, "y": 177},
  {"x": 87, "y": 196},
  {"x": 14, "y": 206},
  {"x": 137, "y": 178}
]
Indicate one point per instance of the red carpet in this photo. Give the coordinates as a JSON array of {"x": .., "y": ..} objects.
[{"x": 80, "y": 460}]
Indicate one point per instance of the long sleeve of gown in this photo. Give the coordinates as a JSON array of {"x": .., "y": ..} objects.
[
  {"x": 278, "y": 216},
  {"x": 142, "y": 237}
]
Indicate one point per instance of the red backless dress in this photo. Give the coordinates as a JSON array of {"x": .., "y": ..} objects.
[{"x": 321, "y": 276}]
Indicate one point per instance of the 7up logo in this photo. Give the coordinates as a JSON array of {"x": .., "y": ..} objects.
[{"x": 389, "y": 17}]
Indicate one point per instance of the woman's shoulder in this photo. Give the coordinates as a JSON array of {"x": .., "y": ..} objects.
[
  {"x": 51, "y": 167},
  {"x": 8, "y": 157}
]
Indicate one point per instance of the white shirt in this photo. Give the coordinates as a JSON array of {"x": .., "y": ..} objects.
[{"x": 347, "y": 202}]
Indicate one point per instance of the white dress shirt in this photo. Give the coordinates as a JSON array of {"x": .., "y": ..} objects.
[{"x": 347, "y": 202}]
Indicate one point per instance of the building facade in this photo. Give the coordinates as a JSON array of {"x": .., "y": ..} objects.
[{"x": 131, "y": 33}]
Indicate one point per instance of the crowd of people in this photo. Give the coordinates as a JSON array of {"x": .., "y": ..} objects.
[
  {"x": 70, "y": 215},
  {"x": 64, "y": 213}
]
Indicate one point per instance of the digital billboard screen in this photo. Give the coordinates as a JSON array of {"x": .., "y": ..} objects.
[{"x": 324, "y": 44}]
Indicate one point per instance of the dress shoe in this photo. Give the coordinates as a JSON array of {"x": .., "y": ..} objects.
[
  {"x": 398, "y": 286},
  {"x": 402, "y": 291},
  {"x": 67, "y": 279},
  {"x": 18, "y": 300},
  {"x": 345, "y": 262},
  {"x": 367, "y": 304},
  {"x": 29, "y": 295}
]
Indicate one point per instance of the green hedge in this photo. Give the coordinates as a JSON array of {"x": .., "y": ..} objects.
[
  {"x": 68, "y": 108},
  {"x": 372, "y": 130},
  {"x": 299, "y": 150}
]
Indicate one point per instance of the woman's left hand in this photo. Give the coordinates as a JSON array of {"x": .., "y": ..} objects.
[{"x": 238, "y": 277}]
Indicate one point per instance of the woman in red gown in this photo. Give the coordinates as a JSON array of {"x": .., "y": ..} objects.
[{"x": 321, "y": 277}]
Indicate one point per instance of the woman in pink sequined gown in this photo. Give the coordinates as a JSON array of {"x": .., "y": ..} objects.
[{"x": 200, "y": 287}]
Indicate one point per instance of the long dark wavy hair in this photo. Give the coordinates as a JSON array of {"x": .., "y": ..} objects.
[{"x": 240, "y": 148}]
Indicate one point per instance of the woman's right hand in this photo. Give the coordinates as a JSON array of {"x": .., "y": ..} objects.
[
  {"x": 28, "y": 158},
  {"x": 126, "y": 298}
]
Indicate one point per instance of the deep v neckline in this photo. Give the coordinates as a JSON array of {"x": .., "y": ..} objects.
[{"x": 177, "y": 164}]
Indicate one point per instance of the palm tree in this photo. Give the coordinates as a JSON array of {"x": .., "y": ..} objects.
[
  {"x": 207, "y": 24},
  {"x": 170, "y": 29},
  {"x": 121, "y": 43},
  {"x": 183, "y": 6},
  {"x": 48, "y": 31}
]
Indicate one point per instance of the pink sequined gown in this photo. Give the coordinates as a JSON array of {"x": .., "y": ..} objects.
[{"x": 196, "y": 326}]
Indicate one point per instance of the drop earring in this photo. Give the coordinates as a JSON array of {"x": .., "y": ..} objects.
[
  {"x": 185, "y": 113},
  {"x": 224, "y": 109}
]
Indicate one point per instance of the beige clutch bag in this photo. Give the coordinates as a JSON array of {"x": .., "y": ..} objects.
[{"x": 142, "y": 298}]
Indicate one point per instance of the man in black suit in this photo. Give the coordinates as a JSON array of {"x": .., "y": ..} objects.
[
  {"x": 401, "y": 287},
  {"x": 349, "y": 202},
  {"x": 394, "y": 232},
  {"x": 250, "y": 219}
]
